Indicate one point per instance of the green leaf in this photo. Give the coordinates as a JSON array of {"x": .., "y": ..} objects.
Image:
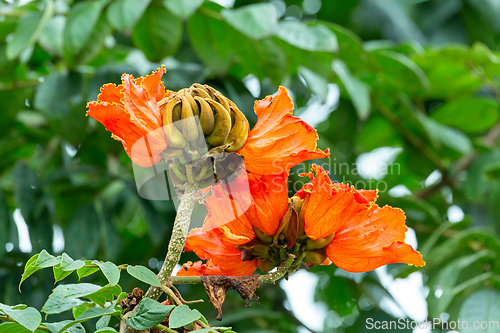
[
  {"x": 182, "y": 315},
  {"x": 358, "y": 91},
  {"x": 86, "y": 271},
  {"x": 51, "y": 38},
  {"x": 469, "y": 114},
  {"x": 149, "y": 313},
  {"x": 110, "y": 271},
  {"x": 448, "y": 71},
  {"x": 447, "y": 278},
  {"x": 308, "y": 37},
  {"x": 124, "y": 14},
  {"x": 351, "y": 50},
  {"x": 211, "y": 39},
  {"x": 262, "y": 58},
  {"x": 15, "y": 328},
  {"x": 105, "y": 294},
  {"x": 47, "y": 95},
  {"x": 78, "y": 310},
  {"x": 144, "y": 274},
  {"x": 68, "y": 264},
  {"x": 315, "y": 82},
  {"x": 65, "y": 297},
  {"x": 56, "y": 304},
  {"x": 80, "y": 23},
  {"x": 397, "y": 71},
  {"x": 60, "y": 274},
  {"x": 377, "y": 132},
  {"x": 103, "y": 322},
  {"x": 256, "y": 21},
  {"x": 56, "y": 327},
  {"x": 45, "y": 260},
  {"x": 480, "y": 181},
  {"x": 76, "y": 290},
  {"x": 182, "y": 8},
  {"x": 28, "y": 317},
  {"x": 158, "y": 33},
  {"x": 29, "y": 269},
  {"x": 83, "y": 225},
  {"x": 483, "y": 306},
  {"x": 28, "y": 29},
  {"x": 90, "y": 314},
  {"x": 445, "y": 135}
]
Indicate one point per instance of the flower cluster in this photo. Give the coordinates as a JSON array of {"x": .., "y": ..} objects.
[{"x": 252, "y": 222}]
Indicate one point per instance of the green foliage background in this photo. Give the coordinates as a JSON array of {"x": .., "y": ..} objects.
[{"x": 421, "y": 76}]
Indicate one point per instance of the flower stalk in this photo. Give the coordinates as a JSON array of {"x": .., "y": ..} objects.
[{"x": 177, "y": 241}]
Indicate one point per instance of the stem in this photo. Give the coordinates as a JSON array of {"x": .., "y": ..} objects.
[
  {"x": 7, "y": 318},
  {"x": 176, "y": 245},
  {"x": 280, "y": 272},
  {"x": 165, "y": 328},
  {"x": 177, "y": 241}
]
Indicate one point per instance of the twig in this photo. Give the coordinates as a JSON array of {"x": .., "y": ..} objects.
[
  {"x": 177, "y": 241},
  {"x": 182, "y": 299},
  {"x": 175, "y": 299},
  {"x": 165, "y": 328}
]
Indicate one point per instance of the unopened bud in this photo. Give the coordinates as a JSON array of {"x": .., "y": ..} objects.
[
  {"x": 316, "y": 244},
  {"x": 288, "y": 229},
  {"x": 265, "y": 265},
  {"x": 314, "y": 258},
  {"x": 253, "y": 249}
]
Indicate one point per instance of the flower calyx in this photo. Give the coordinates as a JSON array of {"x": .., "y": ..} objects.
[
  {"x": 220, "y": 121},
  {"x": 289, "y": 239},
  {"x": 197, "y": 118}
]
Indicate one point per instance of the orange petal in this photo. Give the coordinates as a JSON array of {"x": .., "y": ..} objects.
[
  {"x": 153, "y": 84},
  {"x": 361, "y": 196},
  {"x": 130, "y": 112},
  {"x": 236, "y": 208},
  {"x": 144, "y": 113},
  {"x": 372, "y": 238},
  {"x": 198, "y": 268},
  {"x": 279, "y": 140},
  {"x": 370, "y": 195},
  {"x": 270, "y": 201},
  {"x": 111, "y": 93},
  {"x": 329, "y": 206},
  {"x": 228, "y": 214},
  {"x": 213, "y": 246}
]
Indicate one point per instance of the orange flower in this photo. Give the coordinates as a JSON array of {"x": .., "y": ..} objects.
[
  {"x": 234, "y": 211},
  {"x": 130, "y": 112},
  {"x": 223, "y": 258},
  {"x": 279, "y": 140},
  {"x": 366, "y": 236},
  {"x": 336, "y": 223}
]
